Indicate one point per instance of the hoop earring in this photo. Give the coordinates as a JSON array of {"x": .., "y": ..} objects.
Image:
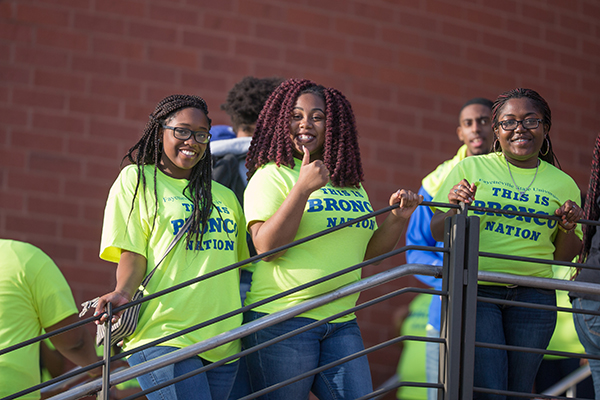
[
  {"x": 494, "y": 144},
  {"x": 203, "y": 156},
  {"x": 547, "y": 147}
]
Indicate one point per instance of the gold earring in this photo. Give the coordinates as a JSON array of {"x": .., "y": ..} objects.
[{"x": 547, "y": 147}]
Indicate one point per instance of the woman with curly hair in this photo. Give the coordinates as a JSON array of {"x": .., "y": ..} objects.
[
  {"x": 588, "y": 325},
  {"x": 305, "y": 175},
  {"x": 167, "y": 183},
  {"x": 519, "y": 175}
]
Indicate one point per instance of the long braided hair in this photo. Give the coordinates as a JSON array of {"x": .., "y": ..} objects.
[
  {"x": 591, "y": 210},
  {"x": 272, "y": 141},
  {"x": 542, "y": 106},
  {"x": 148, "y": 151}
]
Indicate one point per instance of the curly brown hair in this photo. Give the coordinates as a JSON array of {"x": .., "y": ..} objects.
[
  {"x": 591, "y": 211},
  {"x": 272, "y": 141}
]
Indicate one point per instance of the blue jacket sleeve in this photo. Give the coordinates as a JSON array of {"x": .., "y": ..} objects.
[{"x": 419, "y": 233}]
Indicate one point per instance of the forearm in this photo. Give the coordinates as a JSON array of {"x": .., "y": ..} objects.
[
  {"x": 567, "y": 246},
  {"x": 131, "y": 271},
  {"x": 386, "y": 237},
  {"x": 438, "y": 222},
  {"x": 77, "y": 344},
  {"x": 281, "y": 228}
]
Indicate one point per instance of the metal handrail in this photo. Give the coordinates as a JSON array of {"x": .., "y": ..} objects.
[
  {"x": 482, "y": 276},
  {"x": 254, "y": 326}
]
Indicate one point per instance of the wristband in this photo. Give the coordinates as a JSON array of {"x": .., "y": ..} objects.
[{"x": 567, "y": 231}]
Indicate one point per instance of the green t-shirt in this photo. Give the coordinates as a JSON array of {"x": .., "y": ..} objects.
[
  {"x": 411, "y": 367},
  {"x": 326, "y": 207},
  {"x": 223, "y": 244},
  {"x": 565, "y": 336},
  {"x": 511, "y": 234},
  {"x": 33, "y": 295}
]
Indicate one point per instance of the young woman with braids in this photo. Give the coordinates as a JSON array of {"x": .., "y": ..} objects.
[
  {"x": 168, "y": 182},
  {"x": 587, "y": 325},
  {"x": 519, "y": 175},
  {"x": 305, "y": 176}
]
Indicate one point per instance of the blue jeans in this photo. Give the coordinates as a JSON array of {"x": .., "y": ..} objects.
[
  {"x": 588, "y": 330},
  {"x": 213, "y": 384},
  {"x": 432, "y": 361},
  {"x": 304, "y": 352},
  {"x": 515, "y": 326}
]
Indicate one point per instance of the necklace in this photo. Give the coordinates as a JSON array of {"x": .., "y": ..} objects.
[{"x": 521, "y": 193}]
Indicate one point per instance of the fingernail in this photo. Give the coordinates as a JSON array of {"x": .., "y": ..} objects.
[{"x": 95, "y": 313}]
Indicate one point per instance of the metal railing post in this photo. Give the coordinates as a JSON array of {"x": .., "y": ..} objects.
[
  {"x": 451, "y": 316},
  {"x": 104, "y": 393},
  {"x": 469, "y": 308}
]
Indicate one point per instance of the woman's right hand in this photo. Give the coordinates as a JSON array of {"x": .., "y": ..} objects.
[
  {"x": 313, "y": 175},
  {"x": 462, "y": 192},
  {"x": 117, "y": 298},
  {"x": 130, "y": 273}
]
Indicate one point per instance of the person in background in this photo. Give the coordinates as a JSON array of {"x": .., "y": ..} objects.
[
  {"x": 554, "y": 368},
  {"x": 305, "y": 176},
  {"x": 243, "y": 105},
  {"x": 588, "y": 325},
  {"x": 35, "y": 297},
  {"x": 169, "y": 182},
  {"x": 475, "y": 132},
  {"x": 520, "y": 174},
  {"x": 411, "y": 367}
]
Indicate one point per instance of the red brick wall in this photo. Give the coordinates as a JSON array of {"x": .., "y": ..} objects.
[{"x": 79, "y": 78}]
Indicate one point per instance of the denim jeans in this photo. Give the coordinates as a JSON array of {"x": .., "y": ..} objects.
[
  {"x": 214, "y": 384},
  {"x": 304, "y": 352},
  {"x": 588, "y": 330},
  {"x": 432, "y": 361},
  {"x": 515, "y": 326}
]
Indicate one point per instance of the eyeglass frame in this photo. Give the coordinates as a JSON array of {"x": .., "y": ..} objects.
[
  {"x": 538, "y": 120},
  {"x": 191, "y": 133}
]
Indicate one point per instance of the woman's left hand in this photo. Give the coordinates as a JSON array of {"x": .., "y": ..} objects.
[
  {"x": 570, "y": 213},
  {"x": 408, "y": 202}
]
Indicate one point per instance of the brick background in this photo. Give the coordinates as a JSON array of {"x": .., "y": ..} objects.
[{"x": 79, "y": 77}]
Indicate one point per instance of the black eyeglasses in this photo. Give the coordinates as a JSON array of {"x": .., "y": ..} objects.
[
  {"x": 201, "y": 137},
  {"x": 528, "y": 123}
]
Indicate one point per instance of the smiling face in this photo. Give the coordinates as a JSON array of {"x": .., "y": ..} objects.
[
  {"x": 521, "y": 146},
  {"x": 307, "y": 126},
  {"x": 475, "y": 129},
  {"x": 180, "y": 156}
]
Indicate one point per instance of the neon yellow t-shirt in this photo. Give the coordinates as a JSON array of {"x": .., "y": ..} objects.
[
  {"x": 511, "y": 234},
  {"x": 411, "y": 367},
  {"x": 326, "y": 207},
  {"x": 223, "y": 244},
  {"x": 565, "y": 336},
  {"x": 432, "y": 182},
  {"x": 33, "y": 295}
]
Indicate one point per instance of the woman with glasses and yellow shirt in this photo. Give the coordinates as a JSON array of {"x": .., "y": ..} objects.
[
  {"x": 518, "y": 175},
  {"x": 167, "y": 183}
]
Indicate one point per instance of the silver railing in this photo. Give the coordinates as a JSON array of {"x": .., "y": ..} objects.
[{"x": 459, "y": 275}]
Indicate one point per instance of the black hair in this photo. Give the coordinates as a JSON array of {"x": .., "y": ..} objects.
[
  {"x": 543, "y": 108},
  {"x": 148, "y": 151},
  {"x": 477, "y": 100},
  {"x": 246, "y": 99}
]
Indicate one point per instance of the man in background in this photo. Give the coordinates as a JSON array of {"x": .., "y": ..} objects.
[
  {"x": 244, "y": 102},
  {"x": 475, "y": 132}
]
